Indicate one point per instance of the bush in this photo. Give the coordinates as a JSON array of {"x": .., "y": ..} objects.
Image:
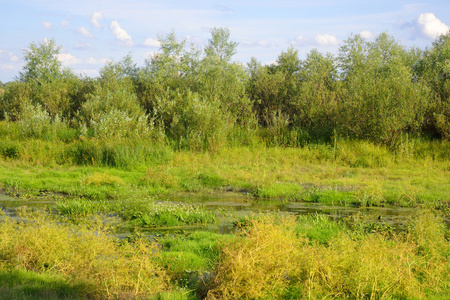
[
  {"x": 379, "y": 100},
  {"x": 36, "y": 122},
  {"x": 112, "y": 109},
  {"x": 191, "y": 121}
]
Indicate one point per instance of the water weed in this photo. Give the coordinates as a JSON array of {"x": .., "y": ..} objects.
[
  {"x": 142, "y": 212},
  {"x": 161, "y": 214}
]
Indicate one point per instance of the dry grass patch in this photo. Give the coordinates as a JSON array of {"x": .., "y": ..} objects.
[
  {"x": 99, "y": 179},
  {"x": 269, "y": 261},
  {"x": 86, "y": 257}
]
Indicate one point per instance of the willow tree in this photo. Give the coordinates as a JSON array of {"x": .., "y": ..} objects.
[
  {"x": 380, "y": 99},
  {"x": 434, "y": 70},
  {"x": 43, "y": 81}
]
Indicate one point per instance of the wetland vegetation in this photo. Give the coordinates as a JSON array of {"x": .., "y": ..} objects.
[{"x": 197, "y": 177}]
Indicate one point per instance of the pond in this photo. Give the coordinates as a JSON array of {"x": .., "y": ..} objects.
[{"x": 231, "y": 206}]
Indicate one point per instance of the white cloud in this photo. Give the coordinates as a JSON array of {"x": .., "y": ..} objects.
[
  {"x": 194, "y": 40},
  {"x": 82, "y": 46},
  {"x": 64, "y": 23},
  {"x": 318, "y": 40},
  {"x": 96, "y": 17},
  {"x": 8, "y": 55},
  {"x": 47, "y": 25},
  {"x": 120, "y": 33},
  {"x": 93, "y": 61},
  {"x": 326, "y": 40},
  {"x": 260, "y": 43},
  {"x": 87, "y": 72},
  {"x": 263, "y": 43},
  {"x": 68, "y": 59},
  {"x": 367, "y": 34},
  {"x": 431, "y": 26},
  {"x": 84, "y": 32},
  {"x": 271, "y": 63},
  {"x": 6, "y": 67},
  {"x": 150, "y": 54},
  {"x": 152, "y": 42},
  {"x": 299, "y": 40}
]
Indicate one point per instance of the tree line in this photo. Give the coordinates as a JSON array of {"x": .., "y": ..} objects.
[{"x": 201, "y": 99}]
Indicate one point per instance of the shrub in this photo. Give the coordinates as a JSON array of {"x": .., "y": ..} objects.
[
  {"x": 35, "y": 122},
  {"x": 259, "y": 264},
  {"x": 379, "y": 100},
  {"x": 191, "y": 121}
]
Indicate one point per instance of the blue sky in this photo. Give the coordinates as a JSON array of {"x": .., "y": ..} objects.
[{"x": 94, "y": 31}]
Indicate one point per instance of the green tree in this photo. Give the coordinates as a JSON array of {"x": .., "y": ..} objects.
[
  {"x": 316, "y": 108},
  {"x": 41, "y": 62},
  {"x": 220, "y": 80},
  {"x": 380, "y": 101},
  {"x": 434, "y": 70},
  {"x": 43, "y": 82},
  {"x": 112, "y": 109},
  {"x": 164, "y": 72},
  {"x": 275, "y": 89},
  {"x": 219, "y": 45}
]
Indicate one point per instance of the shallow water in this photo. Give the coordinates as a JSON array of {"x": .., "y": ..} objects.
[
  {"x": 243, "y": 205},
  {"x": 230, "y": 206}
]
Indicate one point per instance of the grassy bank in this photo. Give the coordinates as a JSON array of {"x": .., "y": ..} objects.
[{"x": 345, "y": 173}]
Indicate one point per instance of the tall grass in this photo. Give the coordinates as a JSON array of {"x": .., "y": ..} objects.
[
  {"x": 345, "y": 172},
  {"x": 86, "y": 257},
  {"x": 271, "y": 261},
  {"x": 268, "y": 257}
]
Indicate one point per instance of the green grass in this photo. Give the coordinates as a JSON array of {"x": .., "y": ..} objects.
[
  {"x": 316, "y": 173},
  {"x": 286, "y": 191},
  {"x": 137, "y": 211},
  {"x": 319, "y": 228},
  {"x": 23, "y": 285},
  {"x": 272, "y": 256}
]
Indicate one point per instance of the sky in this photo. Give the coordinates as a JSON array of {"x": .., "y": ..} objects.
[{"x": 92, "y": 32}]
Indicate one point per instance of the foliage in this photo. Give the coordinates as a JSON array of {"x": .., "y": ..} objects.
[
  {"x": 41, "y": 63},
  {"x": 317, "y": 108},
  {"x": 165, "y": 214},
  {"x": 377, "y": 91},
  {"x": 434, "y": 69},
  {"x": 379, "y": 99},
  {"x": 137, "y": 211},
  {"x": 191, "y": 121},
  {"x": 112, "y": 110},
  {"x": 271, "y": 261},
  {"x": 85, "y": 257},
  {"x": 35, "y": 122}
]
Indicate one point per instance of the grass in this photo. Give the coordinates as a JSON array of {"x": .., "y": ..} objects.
[
  {"x": 141, "y": 212},
  {"x": 279, "y": 258},
  {"x": 268, "y": 257},
  {"x": 370, "y": 175},
  {"x": 22, "y": 285},
  {"x": 318, "y": 228},
  {"x": 83, "y": 256}
]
